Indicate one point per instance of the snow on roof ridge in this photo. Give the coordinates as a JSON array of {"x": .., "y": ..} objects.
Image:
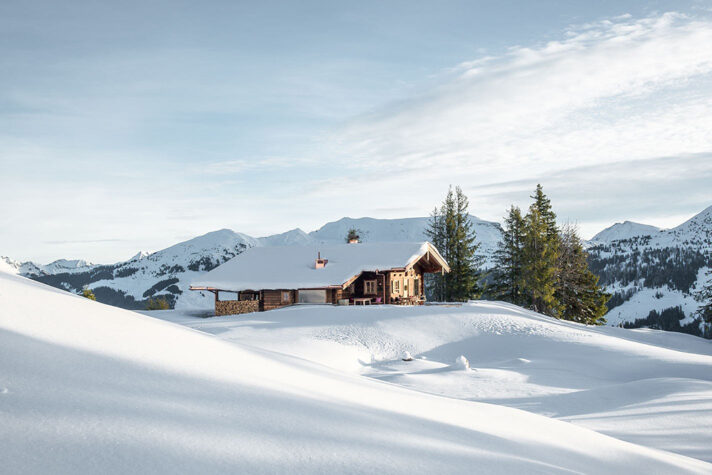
[{"x": 290, "y": 267}]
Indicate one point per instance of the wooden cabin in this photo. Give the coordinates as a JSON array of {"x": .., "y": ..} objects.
[{"x": 265, "y": 278}]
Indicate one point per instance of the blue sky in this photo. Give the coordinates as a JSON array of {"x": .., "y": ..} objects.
[{"x": 134, "y": 125}]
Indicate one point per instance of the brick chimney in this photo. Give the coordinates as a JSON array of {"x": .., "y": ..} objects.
[{"x": 320, "y": 263}]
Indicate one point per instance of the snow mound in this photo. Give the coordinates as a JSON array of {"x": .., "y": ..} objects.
[
  {"x": 462, "y": 363},
  {"x": 643, "y": 386},
  {"x": 97, "y": 389}
]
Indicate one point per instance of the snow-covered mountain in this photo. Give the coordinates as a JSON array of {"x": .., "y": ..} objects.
[
  {"x": 644, "y": 271},
  {"x": 59, "y": 266},
  {"x": 168, "y": 273},
  {"x": 402, "y": 230},
  {"x": 295, "y": 237},
  {"x": 656, "y": 271},
  {"x": 624, "y": 230}
]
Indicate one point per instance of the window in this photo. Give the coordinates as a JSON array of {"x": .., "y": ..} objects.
[
  {"x": 369, "y": 287},
  {"x": 396, "y": 286},
  {"x": 312, "y": 296},
  {"x": 285, "y": 297}
]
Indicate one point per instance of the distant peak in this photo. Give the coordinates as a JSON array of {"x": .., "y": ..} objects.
[
  {"x": 624, "y": 230},
  {"x": 140, "y": 255}
]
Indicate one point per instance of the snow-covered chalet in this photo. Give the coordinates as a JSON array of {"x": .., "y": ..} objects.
[{"x": 265, "y": 278}]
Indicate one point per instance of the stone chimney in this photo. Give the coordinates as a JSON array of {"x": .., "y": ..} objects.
[{"x": 320, "y": 263}]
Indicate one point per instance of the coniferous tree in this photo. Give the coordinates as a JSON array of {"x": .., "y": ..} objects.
[
  {"x": 158, "y": 303},
  {"x": 543, "y": 204},
  {"x": 577, "y": 291},
  {"x": 539, "y": 269},
  {"x": 464, "y": 276},
  {"x": 353, "y": 234},
  {"x": 546, "y": 269},
  {"x": 508, "y": 283},
  {"x": 705, "y": 310},
  {"x": 87, "y": 293},
  {"x": 452, "y": 233},
  {"x": 436, "y": 234}
]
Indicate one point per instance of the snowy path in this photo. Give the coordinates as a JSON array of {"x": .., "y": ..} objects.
[{"x": 647, "y": 387}]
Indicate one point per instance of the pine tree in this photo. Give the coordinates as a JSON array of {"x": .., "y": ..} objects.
[
  {"x": 704, "y": 312},
  {"x": 508, "y": 283},
  {"x": 543, "y": 204},
  {"x": 87, "y": 293},
  {"x": 577, "y": 291},
  {"x": 464, "y": 262},
  {"x": 452, "y": 233},
  {"x": 353, "y": 234},
  {"x": 540, "y": 255},
  {"x": 436, "y": 234},
  {"x": 539, "y": 266},
  {"x": 158, "y": 303}
]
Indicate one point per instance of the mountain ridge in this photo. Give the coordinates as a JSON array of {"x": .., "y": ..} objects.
[{"x": 643, "y": 271}]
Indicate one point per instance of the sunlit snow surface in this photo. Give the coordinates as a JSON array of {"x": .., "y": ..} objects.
[
  {"x": 644, "y": 386},
  {"x": 88, "y": 388}
]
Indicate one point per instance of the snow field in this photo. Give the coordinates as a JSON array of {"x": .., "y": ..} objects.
[{"x": 92, "y": 388}]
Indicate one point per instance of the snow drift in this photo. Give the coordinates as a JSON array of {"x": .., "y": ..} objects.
[{"x": 92, "y": 388}]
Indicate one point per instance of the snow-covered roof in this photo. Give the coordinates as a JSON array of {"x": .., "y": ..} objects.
[{"x": 293, "y": 267}]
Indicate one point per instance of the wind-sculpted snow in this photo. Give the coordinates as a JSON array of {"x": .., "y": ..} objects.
[
  {"x": 643, "y": 386},
  {"x": 88, "y": 388}
]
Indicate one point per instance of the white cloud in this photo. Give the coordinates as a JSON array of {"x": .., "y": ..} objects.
[
  {"x": 614, "y": 90},
  {"x": 588, "y": 115}
]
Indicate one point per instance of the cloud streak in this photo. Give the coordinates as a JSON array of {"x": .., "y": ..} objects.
[{"x": 612, "y": 90}]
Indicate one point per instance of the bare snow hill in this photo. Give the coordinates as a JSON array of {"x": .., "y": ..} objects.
[
  {"x": 90, "y": 388},
  {"x": 624, "y": 230},
  {"x": 647, "y": 387}
]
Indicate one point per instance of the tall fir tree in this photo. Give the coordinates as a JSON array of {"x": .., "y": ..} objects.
[
  {"x": 508, "y": 285},
  {"x": 452, "y": 233},
  {"x": 543, "y": 204},
  {"x": 539, "y": 271},
  {"x": 577, "y": 291},
  {"x": 464, "y": 261},
  {"x": 436, "y": 234},
  {"x": 540, "y": 256},
  {"x": 704, "y": 312}
]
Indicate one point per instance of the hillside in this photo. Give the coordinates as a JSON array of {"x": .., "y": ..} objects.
[
  {"x": 91, "y": 388},
  {"x": 168, "y": 273},
  {"x": 657, "y": 272},
  {"x": 644, "y": 272},
  {"x": 648, "y": 387}
]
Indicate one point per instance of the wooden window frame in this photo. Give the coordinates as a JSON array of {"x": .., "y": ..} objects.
[
  {"x": 370, "y": 283},
  {"x": 396, "y": 286},
  {"x": 286, "y": 293}
]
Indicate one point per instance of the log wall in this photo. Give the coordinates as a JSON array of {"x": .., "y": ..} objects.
[{"x": 235, "y": 307}]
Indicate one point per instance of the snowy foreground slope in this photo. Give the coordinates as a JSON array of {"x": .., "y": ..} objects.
[
  {"x": 648, "y": 387},
  {"x": 88, "y": 388}
]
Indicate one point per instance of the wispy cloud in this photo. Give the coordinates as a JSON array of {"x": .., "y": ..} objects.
[
  {"x": 154, "y": 143},
  {"x": 612, "y": 90}
]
